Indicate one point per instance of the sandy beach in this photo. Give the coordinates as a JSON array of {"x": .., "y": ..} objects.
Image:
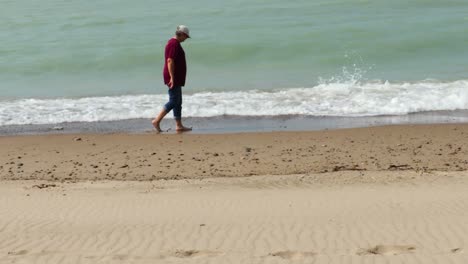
[{"x": 393, "y": 194}]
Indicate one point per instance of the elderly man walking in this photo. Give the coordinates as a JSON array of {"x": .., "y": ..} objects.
[{"x": 174, "y": 72}]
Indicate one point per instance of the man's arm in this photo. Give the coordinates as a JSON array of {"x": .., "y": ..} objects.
[{"x": 170, "y": 67}]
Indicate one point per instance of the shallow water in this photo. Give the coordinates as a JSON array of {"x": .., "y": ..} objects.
[{"x": 96, "y": 61}]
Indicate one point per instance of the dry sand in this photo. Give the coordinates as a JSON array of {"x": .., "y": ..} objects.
[
  {"x": 340, "y": 217},
  {"x": 395, "y": 194}
]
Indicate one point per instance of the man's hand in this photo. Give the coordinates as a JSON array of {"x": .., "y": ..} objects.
[
  {"x": 170, "y": 67},
  {"x": 171, "y": 84}
]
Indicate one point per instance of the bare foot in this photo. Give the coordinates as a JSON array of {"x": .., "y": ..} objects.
[
  {"x": 156, "y": 125},
  {"x": 183, "y": 129}
]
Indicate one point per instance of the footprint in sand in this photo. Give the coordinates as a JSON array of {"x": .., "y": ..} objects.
[
  {"x": 387, "y": 250},
  {"x": 18, "y": 253},
  {"x": 292, "y": 255},
  {"x": 194, "y": 253}
]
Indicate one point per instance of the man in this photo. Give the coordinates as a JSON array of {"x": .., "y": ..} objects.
[{"x": 174, "y": 72}]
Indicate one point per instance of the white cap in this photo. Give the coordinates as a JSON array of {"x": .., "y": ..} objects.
[{"x": 183, "y": 29}]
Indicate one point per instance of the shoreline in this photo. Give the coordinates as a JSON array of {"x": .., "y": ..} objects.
[{"x": 240, "y": 124}]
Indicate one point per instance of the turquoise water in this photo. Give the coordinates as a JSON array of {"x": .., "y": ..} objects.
[{"x": 53, "y": 49}]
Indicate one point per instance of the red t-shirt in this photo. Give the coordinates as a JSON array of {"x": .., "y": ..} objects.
[{"x": 176, "y": 53}]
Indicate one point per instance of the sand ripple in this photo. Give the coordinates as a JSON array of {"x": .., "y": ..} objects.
[{"x": 231, "y": 221}]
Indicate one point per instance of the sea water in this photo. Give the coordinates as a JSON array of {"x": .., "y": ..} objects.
[{"x": 75, "y": 61}]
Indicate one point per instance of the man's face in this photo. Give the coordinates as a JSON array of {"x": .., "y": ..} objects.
[{"x": 183, "y": 37}]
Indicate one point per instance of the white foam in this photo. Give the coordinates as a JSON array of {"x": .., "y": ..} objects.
[{"x": 327, "y": 99}]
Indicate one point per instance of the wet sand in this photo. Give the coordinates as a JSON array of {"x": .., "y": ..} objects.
[{"x": 76, "y": 157}]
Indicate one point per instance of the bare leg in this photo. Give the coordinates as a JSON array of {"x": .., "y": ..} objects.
[
  {"x": 158, "y": 119},
  {"x": 180, "y": 127}
]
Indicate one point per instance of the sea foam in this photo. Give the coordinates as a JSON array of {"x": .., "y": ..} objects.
[{"x": 350, "y": 98}]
